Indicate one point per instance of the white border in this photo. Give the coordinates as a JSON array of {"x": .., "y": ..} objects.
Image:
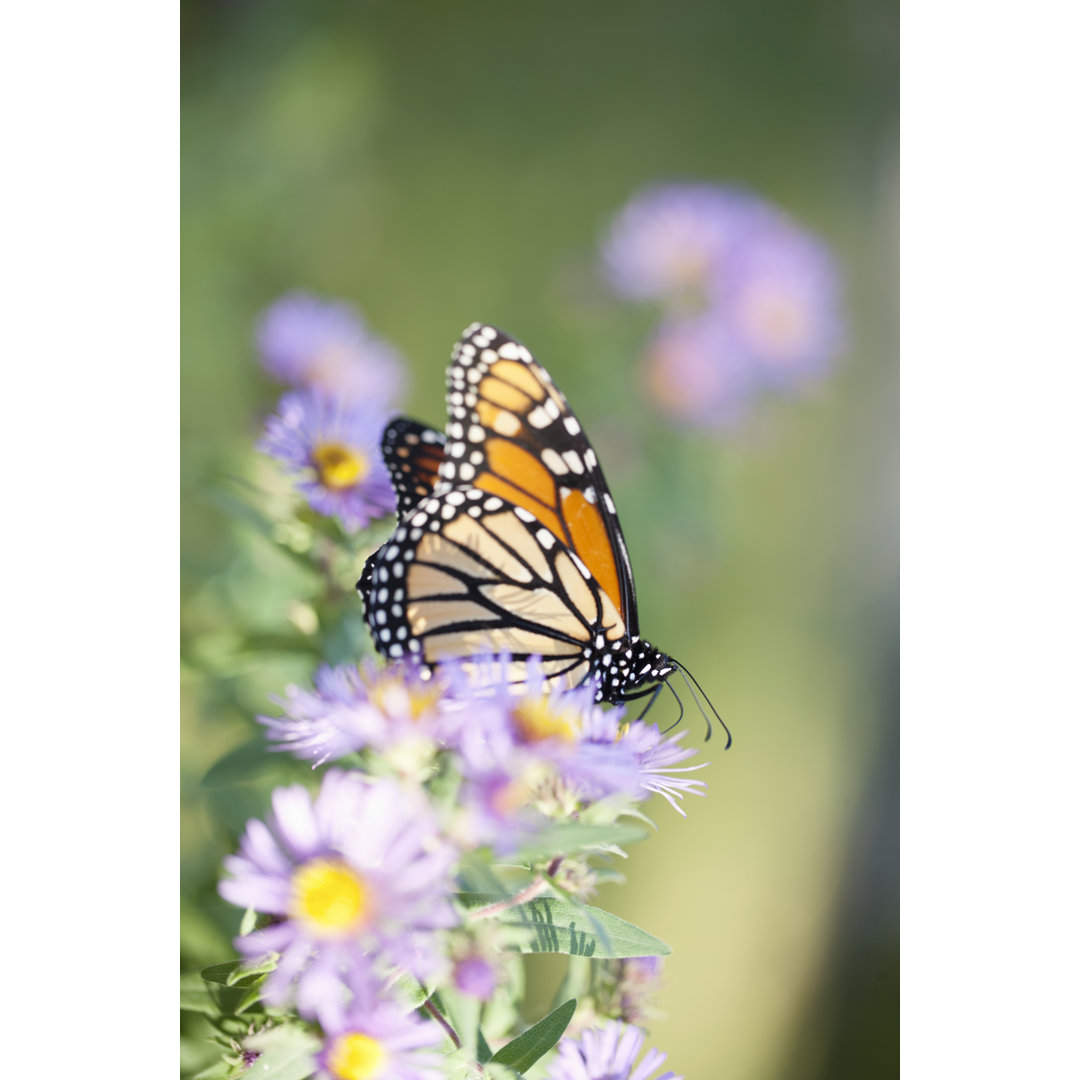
[
  {"x": 989, "y": 540},
  {"x": 89, "y": 99}
]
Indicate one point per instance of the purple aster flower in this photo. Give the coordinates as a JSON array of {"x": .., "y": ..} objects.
[
  {"x": 608, "y": 1053},
  {"x": 782, "y": 301},
  {"x": 333, "y": 448},
  {"x": 358, "y": 880},
  {"x": 526, "y": 747},
  {"x": 657, "y": 762},
  {"x": 672, "y": 241},
  {"x": 377, "y": 1040},
  {"x": 396, "y": 709},
  {"x": 697, "y": 370},
  {"x": 305, "y": 341}
]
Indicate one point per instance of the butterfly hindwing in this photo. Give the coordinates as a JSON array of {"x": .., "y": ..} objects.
[
  {"x": 413, "y": 453},
  {"x": 511, "y": 434},
  {"x": 468, "y": 573}
]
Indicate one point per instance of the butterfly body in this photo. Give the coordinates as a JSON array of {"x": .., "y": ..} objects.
[{"x": 507, "y": 538}]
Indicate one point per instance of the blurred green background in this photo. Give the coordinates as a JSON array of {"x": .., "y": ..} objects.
[{"x": 436, "y": 163}]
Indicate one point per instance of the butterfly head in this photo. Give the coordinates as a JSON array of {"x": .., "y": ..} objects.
[{"x": 629, "y": 665}]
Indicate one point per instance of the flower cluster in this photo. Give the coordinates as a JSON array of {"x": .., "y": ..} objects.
[
  {"x": 750, "y": 301},
  {"x": 364, "y": 886},
  {"x": 326, "y": 431}
]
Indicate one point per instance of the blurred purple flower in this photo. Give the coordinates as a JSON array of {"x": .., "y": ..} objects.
[
  {"x": 476, "y": 976},
  {"x": 783, "y": 304},
  {"x": 396, "y": 709},
  {"x": 672, "y": 241},
  {"x": 607, "y": 1053},
  {"x": 306, "y": 341},
  {"x": 655, "y": 759},
  {"x": 697, "y": 370},
  {"x": 378, "y": 1039},
  {"x": 637, "y": 981},
  {"x": 333, "y": 448},
  {"x": 752, "y": 300},
  {"x": 358, "y": 880}
]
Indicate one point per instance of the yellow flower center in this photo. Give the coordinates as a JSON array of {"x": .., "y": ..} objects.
[
  {"x": 329, "y": 898},
  {"x": 355, "y": 1057},
  {"x": 340, "y": 466},
  {"x": 536, "y": 720},
  {"x": 392, "y": 696}
]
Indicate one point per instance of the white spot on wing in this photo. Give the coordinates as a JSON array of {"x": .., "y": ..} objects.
[{"x": 553, "y": 461}]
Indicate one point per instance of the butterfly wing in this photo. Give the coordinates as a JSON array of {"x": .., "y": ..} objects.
[
  {"x": 511, "y": 435},
  {"x": 468, "y": 573},
  {"x": 413, "y": 453}
]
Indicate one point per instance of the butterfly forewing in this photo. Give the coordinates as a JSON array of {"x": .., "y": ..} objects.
[{"x": 511, "y": 434}]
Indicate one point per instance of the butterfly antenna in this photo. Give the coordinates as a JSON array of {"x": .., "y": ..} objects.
[
  {"x": 682, "y": 711},
  {"x": 689, "y": 679}
]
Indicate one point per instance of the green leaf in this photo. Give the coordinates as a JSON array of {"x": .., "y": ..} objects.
[
  {"x": 408, "y": 990},
  {"x": 285, "y": 1053},
  {"x": 570, "y": 838},
  {"x": 560, "y": 926},
  {"x": 247, "y": 923},
  {"x": 237, "y": 972},
  {"x": 214, "y": 999},
  {"x": 528, "y": 1048}
]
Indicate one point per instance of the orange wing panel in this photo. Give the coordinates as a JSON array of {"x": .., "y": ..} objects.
[
  {"x": 511, "y": 462},
  {"x": 589, "y": 538},
  {"x": 497, "y": 486}
]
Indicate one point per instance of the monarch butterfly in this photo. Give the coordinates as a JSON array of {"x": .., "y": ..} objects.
[{"x": 507, "y": 538}]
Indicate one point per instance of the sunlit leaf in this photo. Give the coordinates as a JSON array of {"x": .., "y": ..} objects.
[
  {"x": 285, "y": 1053},
  {"x": 570, "y": 838},
  {"x": 559, "y": 926}
]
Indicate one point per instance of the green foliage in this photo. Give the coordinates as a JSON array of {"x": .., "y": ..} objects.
[
  {"x": 551, "y": 925},
  {"x": 285, "y": 1052},
  {"x": 570, "y": 838},
  {"x": 223, "y": 989},
  {"x": 530, "y": 1046}
]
